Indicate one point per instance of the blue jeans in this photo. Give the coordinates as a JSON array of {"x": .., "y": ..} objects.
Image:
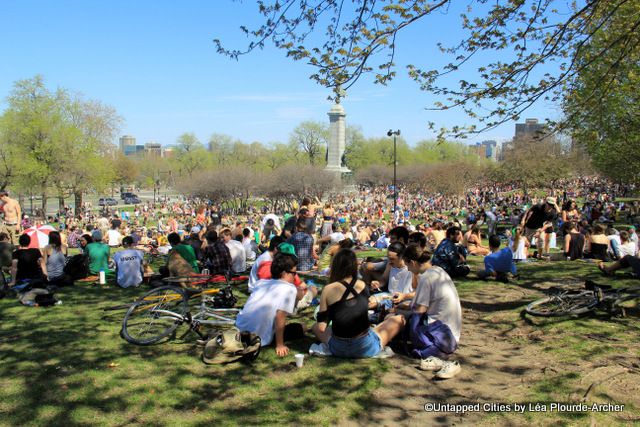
[{"x": 367, "y": 345}]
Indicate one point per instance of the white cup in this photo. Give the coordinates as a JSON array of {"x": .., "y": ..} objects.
[{"x": 299, "y": 360}]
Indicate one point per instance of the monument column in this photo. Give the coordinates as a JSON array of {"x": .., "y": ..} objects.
[{"x": 337, "y": 140}]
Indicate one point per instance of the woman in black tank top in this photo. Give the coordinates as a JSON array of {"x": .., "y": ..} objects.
[{"x": 344, "y": 302}]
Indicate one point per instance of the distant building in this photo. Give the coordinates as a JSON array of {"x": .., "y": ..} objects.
[
  {"x": 127, "y": 141},
  {"x": 531, "y": 129},
  {"x": 486, "y": 150},
  {"x": 152, "y": 150},
  {"x": 134, "y": 151},
  {"x": 168, "y": 152}
]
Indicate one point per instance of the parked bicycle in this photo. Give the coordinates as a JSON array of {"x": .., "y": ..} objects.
[
  {"x": 578, "y": 302},
  {"x": 159, "y": 312}
]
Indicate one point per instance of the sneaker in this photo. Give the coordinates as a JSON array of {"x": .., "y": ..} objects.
[
  {"x": 449, "y": 370},
  {"x": 431, "y": 363}
]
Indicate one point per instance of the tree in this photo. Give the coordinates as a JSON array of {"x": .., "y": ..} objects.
[
  {"x": 359, "y": 38},
  {"x": 190, "y": 154},
  {"x": 603, "y": 106},
  {"x": 125, "y": 170},
  {"x": 9, "y": 155},
  {"x": 532, "y": 163},
  {"x": 35, "y": 123},
  {"x": 221, "y": 147},
  {"x": 310, "y": 138},
  {"x": 83, "y": 167}
]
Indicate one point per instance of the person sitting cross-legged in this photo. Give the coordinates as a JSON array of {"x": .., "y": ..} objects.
[
  {"x": 27, "y": 265},
  {"x": 436, "y": 316},
  {"x": 344, "y": 302},
  {"x": 265, "y": 312},
  {"x": 450, "y": 255},
  {"x": 499, "y": 263},
  {"x": 129, "y": 265}
]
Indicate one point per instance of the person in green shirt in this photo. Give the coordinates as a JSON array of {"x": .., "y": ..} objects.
[
  {"x": 185, "y": 251},
  {"x": 98, "y": 254}
]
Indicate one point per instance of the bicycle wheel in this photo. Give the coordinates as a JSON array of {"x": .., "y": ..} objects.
[
  {"x": 563, "y": 305},
  {"x": 155, "y": 315}
]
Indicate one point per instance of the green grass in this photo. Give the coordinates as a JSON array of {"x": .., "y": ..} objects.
[{"x": 67, "y": 365}]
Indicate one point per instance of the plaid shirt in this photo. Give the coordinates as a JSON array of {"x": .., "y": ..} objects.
[
  {"x": 217, "y": 257},
  {"x": 303, "y": 243}
]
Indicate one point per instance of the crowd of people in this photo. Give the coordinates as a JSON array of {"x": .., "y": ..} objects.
[{"x": 365, "y": 305}]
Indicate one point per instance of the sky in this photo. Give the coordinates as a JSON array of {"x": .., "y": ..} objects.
[{"x": 155, "y": 62}]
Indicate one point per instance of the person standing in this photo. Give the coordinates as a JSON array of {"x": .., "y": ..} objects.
[{"x": 12, "y": 216}]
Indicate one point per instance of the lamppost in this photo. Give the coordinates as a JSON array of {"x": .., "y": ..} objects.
[{"x": 395, "y": 163}]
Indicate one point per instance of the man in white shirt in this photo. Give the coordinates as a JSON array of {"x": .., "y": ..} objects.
[
  {"x": 247, "y": 244},
  {"x": 436, "y": 296},
  {"x": 113, "y": 237},
  {"x": 265, "y": 312},
  {"x": 238, "y": 254}
]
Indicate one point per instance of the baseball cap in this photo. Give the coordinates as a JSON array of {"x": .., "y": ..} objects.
[
  {"x": 551, "y": 200},
  {"x": 287, "y": 249}
]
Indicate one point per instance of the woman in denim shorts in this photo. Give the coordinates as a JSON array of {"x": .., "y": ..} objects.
[{"x": 344, "y": 303}]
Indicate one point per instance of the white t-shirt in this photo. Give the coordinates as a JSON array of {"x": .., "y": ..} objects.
[
  {"x": 238, "y": 256},
  {"x": 336, "y": 237},
  {"x": 628, "y": 248},
  {"x": 400, "y": 280},
  {"x": 246, "y": 242},
  {"x": 437, "y": 292},
  {"x": 253, "y": 276},
  {"x": 113, "y": 237},
  {"x": 259, "y": 312}
]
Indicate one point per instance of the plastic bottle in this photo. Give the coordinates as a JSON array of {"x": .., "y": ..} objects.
[{"x": 103, "y": 277}]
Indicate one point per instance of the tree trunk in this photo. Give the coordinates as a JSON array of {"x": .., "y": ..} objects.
[
  {"x": 61, "y": 200},
  {"x": 44, "y": 204},
  {"x": 77, "y": 195}
]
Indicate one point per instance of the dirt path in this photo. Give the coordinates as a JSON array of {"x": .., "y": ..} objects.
[{"x": 501, "y": 358}]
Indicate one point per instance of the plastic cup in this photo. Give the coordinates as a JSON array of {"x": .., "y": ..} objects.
[{"x": 299, "y": 360}]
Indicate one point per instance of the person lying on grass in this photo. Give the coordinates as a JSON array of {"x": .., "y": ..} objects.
[
  {"x": 265, "y": 312},
  {"x": 344, "y": 302},
  {"x": 624, "y": 262}
]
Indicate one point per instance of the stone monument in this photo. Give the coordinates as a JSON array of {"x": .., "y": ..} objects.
[{"x": 337, "y": 140}]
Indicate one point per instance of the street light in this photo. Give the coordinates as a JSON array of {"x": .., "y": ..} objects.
[{"x": 395, "y": 162}]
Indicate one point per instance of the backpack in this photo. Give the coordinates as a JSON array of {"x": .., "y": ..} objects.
[
  {"x": 230, "y": 346},
  {"x": 422, "y": 335},
  {"x": 39, "y": 297},
  {"x": 77, "y": 267}
]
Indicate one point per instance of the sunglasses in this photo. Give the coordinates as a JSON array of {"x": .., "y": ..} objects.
[{"x": 291, "y": 271}]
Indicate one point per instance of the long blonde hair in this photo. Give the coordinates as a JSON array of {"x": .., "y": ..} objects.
[{"x": 517, "y": 234}]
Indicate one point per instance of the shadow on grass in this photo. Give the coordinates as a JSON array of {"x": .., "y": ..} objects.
[{"x": 66, "y": 365}]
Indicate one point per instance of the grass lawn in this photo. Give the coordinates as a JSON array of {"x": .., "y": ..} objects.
[{"x": 67, "y": 365}]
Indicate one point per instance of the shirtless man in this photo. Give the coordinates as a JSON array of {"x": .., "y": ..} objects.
[{"x": 12, "y": 216}]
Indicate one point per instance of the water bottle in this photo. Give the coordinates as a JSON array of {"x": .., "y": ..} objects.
[{"x": 103, "y": 278}]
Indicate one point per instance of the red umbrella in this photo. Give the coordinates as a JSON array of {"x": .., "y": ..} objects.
[{"x": 39, "y": 235}]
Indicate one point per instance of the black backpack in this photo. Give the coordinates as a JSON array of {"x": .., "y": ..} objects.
[{"x": 77, "y": 267}]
